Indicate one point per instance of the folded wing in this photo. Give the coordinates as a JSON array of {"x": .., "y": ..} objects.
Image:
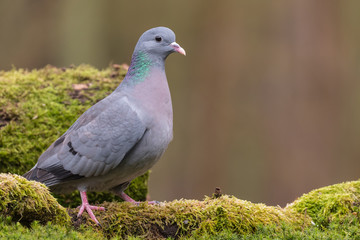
[{"x": 96, "y": 143}]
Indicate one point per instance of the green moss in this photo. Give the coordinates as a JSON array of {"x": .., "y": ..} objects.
[
  {"x": 231, "y": 218},
  {"x": 11, "y": 230},
  {"x": 337, "y": 203},
  {"x": 38, "y": 106},
  {"x": 225, "y": 217},
  {"x": 192, "y": 217},
  {"x": 286, "y": 231},
  {"x": 26, "y": 201}
]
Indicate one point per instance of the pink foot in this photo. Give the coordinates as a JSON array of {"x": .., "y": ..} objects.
[
  {"x": 86, "y": 206},
  {"x": 126, "y": 198}
]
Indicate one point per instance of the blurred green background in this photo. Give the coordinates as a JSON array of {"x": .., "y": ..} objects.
[{"x": 266, "y": 102}]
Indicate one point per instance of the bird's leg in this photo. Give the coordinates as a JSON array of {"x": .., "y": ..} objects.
[
  {"x": 86, "y": 206},
  {"x": 126, "y": 198}
]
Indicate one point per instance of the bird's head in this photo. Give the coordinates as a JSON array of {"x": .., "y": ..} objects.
[{"x": 159, "y": 41}]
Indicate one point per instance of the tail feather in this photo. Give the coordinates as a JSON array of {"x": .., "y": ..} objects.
[
  {"x": 48, "y": 178},
  {"x": 40, "y": 175},
  {"x": 29, "y": 175}
]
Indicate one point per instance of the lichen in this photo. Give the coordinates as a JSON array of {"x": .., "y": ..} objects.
[
  {"x": 27, "y": 201},
  {"x": 38, "y": 106}
]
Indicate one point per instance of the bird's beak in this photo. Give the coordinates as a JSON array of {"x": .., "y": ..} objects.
[{"x": 177, "y": 48}]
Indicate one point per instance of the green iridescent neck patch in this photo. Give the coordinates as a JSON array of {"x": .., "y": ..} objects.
[{"x": 139, "y": 68}]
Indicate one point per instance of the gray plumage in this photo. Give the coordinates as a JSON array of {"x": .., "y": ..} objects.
[{"x": 123, "y": 135}]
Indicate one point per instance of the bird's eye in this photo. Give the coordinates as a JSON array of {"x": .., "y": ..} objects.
[{"x": 158, "y": 38}]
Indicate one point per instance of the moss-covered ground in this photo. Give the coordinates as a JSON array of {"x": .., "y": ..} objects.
[
  {"x": 37, "y": 106},
  {"x": 337, "y": 203},
  {"x": 27, "y": 201},
  {"x": 28, "y": 211}
]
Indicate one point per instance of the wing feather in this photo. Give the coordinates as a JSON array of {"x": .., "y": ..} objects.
[{"x": 96, "y": 143}]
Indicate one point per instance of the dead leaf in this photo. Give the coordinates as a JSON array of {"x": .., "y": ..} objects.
[{"x": 80, "y": 86}]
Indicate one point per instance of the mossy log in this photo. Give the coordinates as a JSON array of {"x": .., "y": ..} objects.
[{"x": 27, "y": 201}]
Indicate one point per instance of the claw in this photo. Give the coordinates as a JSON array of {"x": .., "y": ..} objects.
[{"x": 86, "y": 206}]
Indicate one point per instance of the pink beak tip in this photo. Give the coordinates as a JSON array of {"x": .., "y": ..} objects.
[{"x": 178, "y": 48}]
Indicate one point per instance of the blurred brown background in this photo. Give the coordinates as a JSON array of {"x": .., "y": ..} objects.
[{"x": 266, "y": 103}]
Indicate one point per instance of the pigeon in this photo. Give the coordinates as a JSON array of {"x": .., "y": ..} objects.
[{"x": 122, "y": 136}]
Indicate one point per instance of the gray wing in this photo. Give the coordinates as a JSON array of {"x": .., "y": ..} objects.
[{"x": 93, "y": 145}]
